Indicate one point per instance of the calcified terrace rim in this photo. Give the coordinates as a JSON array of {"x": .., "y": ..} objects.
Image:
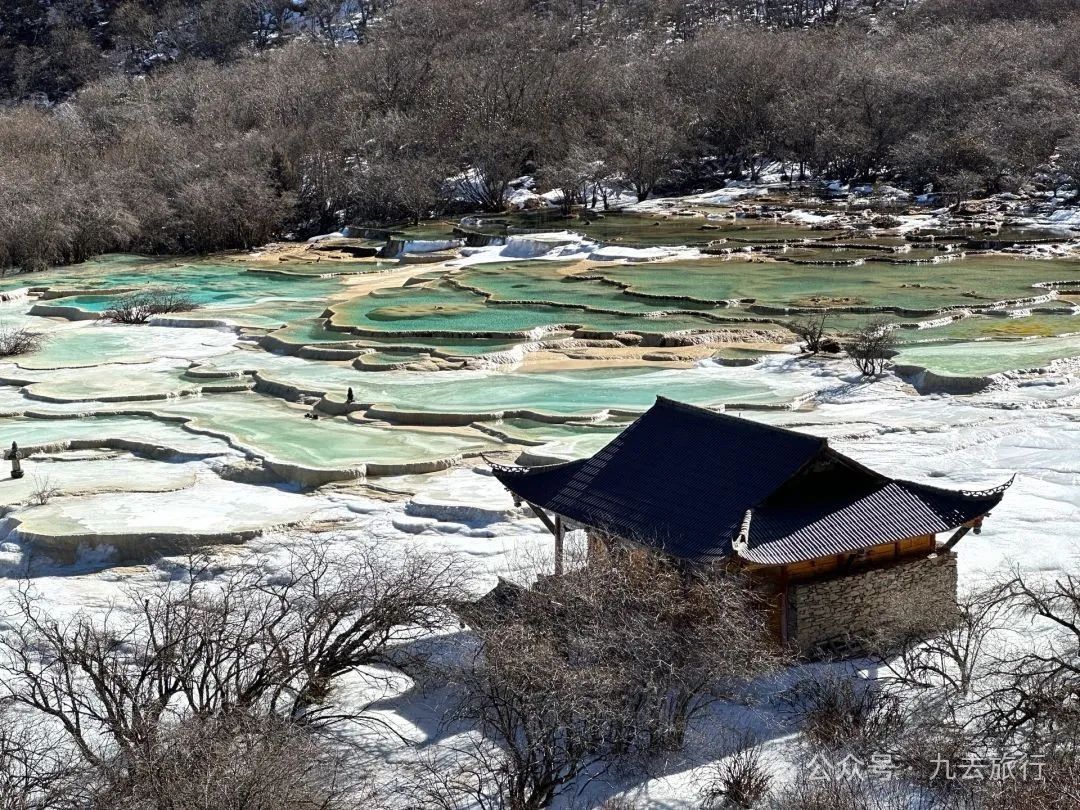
[
  {"x": 720, "y": 320},
  {"x": 308, "y": 475},
  {"x": 302, "y": 475}
]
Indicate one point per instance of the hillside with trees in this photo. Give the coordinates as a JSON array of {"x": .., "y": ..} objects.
[{"x": 185, "y": 126}]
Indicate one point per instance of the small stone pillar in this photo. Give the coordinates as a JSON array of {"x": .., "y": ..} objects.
[{"x": 16, "y": 464}]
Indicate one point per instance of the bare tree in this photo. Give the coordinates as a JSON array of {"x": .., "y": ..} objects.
[
  {"x": 811, "y": 330},
  {"x": 574, "y": 176},
  {"x": 228, "y": 149},
  {"x": 645, "y": 146},
  {"x": 947, "y": 667},
  {"x": 1031, "y": 692},
  {"x": 871, "y": 346},
  {"x": 1068, "y": 162},
  {"x": 37, "y": 772}
]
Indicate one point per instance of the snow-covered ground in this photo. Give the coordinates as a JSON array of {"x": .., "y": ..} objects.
[{"x": 564, "y": 245}]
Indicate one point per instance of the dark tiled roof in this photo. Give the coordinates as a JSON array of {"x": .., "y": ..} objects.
[
  {"x": 682, "y": 479},
  {"x": 894, "y": 510}
]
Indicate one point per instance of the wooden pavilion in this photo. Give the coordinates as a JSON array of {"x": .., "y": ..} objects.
[{"x": 842, "y": 551}]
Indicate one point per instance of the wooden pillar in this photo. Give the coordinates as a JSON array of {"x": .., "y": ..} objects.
[
  {"x": 784, "y": 585},
  {"x": 558, "y": 546}
]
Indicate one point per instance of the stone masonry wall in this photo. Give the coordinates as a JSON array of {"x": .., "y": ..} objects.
[{"x": 907, "y": 597}]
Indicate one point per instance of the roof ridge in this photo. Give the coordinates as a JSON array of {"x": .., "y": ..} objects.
[{"x": 703, "y": 410}]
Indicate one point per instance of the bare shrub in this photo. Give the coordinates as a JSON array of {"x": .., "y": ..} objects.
[
  {"x": 620, "y": 803},
  {"x": 811, "y": 331},
  {"x": 243, "y": 643},
  {"x": 43, "y": 490},
  {"x": 740, "y": 781},
  {"x": 836, "y": 793},
  {"x": 15, "y": 341},
  {"x": 1045, "y": 783},
  {"x": 473, "y": 774},
  {"x": 871, "y": 346},
  {"x": 139, "y": 307},
  {"x": 221, "y": 762},
  {"x": 607, "y": 663},
  {"x": 841, "y": 711}
]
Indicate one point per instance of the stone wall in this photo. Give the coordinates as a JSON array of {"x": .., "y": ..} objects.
[{"x": 906, "y": 597}]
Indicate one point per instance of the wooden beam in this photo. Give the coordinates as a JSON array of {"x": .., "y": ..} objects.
[
  {"x": 543, "y": 518},
  {"x": 956, "y": 538}
]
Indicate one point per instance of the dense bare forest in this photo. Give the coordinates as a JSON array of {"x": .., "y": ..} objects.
[{"x": 194, "y": 125}]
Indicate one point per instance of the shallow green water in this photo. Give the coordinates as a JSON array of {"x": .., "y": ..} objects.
[
  {"x": 971, "y": 282},
  {"x": 272, "y": 428},
  {"x": 76, "y": 348},
  {"x": 543, "y": 282},
  {"x": 985, "y": 357},
  {"x": 221, "y": 291},
  {"x": 314, "y": 333},
  {"x": 565, "y": 392},
  {"x": 29, "y": 432},
  {"x": 116, "y": 383},
  {"x": 630, "y": 229},
  {"x": 446, "y": 309},
  {"x": 997, "y": 328},
  {"x": 443, "y": 314},
  {"x": 530, "y": 431}
]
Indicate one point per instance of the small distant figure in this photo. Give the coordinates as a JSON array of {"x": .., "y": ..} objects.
[
  {"x": 349, "y": 397},
  {"x": 16, "y": 464}
]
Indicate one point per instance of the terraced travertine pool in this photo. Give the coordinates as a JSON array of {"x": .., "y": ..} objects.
[
  {"x": 463, "y": 356},
  {"x": 105, "y": 343},
  {"x": 578, "y": 392},
  {"x": 449, "y": 310},
  {"x": 971, "y": 282},
  {"x": 988, "y": 357}
]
